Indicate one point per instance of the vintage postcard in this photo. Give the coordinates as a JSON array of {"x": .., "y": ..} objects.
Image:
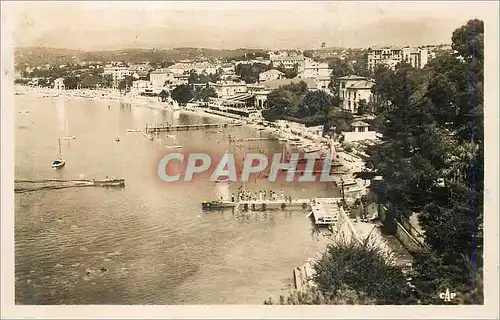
[{"x": 248, "y": 159}]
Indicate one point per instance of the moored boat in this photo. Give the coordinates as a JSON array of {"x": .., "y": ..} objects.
[
  {"x": 59, "y": 162},
  {"x": 217, "y": 204}
]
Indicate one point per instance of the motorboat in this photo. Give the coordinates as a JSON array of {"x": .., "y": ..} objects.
[
  {"x": 217, "y": 204},
  {"x": 58, "y": 163}
]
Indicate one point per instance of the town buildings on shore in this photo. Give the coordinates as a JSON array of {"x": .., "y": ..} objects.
[{"x": 272, "y": 74}]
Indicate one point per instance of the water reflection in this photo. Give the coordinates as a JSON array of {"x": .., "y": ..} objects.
[
  {"x": 61, "y": 113},
  {"x": 157, "y": 244}
]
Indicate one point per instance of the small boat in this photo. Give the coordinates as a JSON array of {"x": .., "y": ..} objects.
[
  {"x": 117, "y": 139},
  {"x": 217, "y": 204},
  {"x": 113, "y": 182},
  {"x": 133, "y": 130},
  {"x": 68, "y": 138},
  {"x": 59, "y": 161},
  {"x": 173, "y": 147}
]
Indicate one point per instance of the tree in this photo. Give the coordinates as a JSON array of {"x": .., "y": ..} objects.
[
  {"x": 250, "y": 72},
  {"x": 308, "y": 54},
  {"x": 206, "y": 92},
  {"x": 107, "y": 81},
  {"x": 363, "y": 107},
  {"x": 71, "y": 82},
  {"x": 350, "y": 272},
  {"x": 89, "y": 80},
  {"x": 314, "y": 102},
  {"x": 432, "y": 159},
  {"x": 280, "y": 104},
  {"x": 339, "y": 120},
  {"x": 163, "y": 95},
  {"x": 182, "y": 94}
]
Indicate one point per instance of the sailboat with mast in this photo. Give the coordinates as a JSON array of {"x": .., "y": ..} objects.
[{"x": 59, "y": 162}]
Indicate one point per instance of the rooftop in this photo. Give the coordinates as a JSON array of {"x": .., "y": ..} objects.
[
  {"x": 275, "y": 84},
  {"x": 359, "y": 124},
  {"x": 362, "y": 84},
  {"x": 353, "y": 77},
  {"x": 273, "y": 71}
]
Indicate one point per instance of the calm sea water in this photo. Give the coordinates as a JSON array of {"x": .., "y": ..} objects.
[{"x": 148, "y": 243}]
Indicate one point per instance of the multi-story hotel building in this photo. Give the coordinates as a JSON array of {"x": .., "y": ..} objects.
[{"x": 391, "y": 56}]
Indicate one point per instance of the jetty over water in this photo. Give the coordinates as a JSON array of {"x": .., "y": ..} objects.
[
  {"x": 26, "y": 185},
  {"x": 187, "y": 127},
  {"x": 261, "y": 205},
  {"x": 325, "y": 211}
]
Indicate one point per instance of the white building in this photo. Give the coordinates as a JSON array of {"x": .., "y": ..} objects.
[
  {"x": 59, "y": 84},
  {"x": 352, "y": 89},
  {"x": 166, "y": 78},
  {"x": 288, "y": 62},
  {"x": 391, "y": 56},
  {"x": 226, "y": 89},
  {"x": 142, "y": 86},
  {"x": 118, "y": 73},
  {"x": 272, "y": 74},
  {"x": 360, "y": 131},
  {"x": 198, "y": 67},
  {"x": 317, "y": 71},
  {"x": 260, "y": 94}
]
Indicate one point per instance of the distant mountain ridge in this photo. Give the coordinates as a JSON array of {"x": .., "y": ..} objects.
[{"x": 36, "y": 56}]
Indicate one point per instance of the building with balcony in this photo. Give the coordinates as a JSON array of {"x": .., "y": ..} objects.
[
  {"x": 353, "y": 89},
  {"x": 118, "y": 73},
  {"x": 166, "y": 79},
  {"x": 226, "y": 89},
  {"x": 142, "y": 86},
  {"x": 317, "y": 71},
  {"x": 391, "y": 56}
]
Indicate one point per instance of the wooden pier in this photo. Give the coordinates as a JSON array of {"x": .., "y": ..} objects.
[
  {"x": 325, "y": 211},
  {"x": 262, "y": 205},
  {"x": 187, "y": 127},
  {"x": 253, "y": 139},
  {"x": 25, "y": 185}
]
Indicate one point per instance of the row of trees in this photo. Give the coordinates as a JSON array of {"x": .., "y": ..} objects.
[
  {"x": 432, "y": 158},
  {"x": 195, "y": 78},
  {"x": 295, "y": 102},
  {"x": 185, "y": 93},
  {"x": 250, "y": 72}
]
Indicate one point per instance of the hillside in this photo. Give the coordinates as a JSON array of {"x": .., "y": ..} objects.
[{"x": 40, "y": 56}]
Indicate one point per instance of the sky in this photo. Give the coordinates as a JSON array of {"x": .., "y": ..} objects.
[{"x": 114, "y": 25}]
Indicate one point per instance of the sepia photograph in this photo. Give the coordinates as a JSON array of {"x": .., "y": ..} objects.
[{"x": 272, "y": 154}]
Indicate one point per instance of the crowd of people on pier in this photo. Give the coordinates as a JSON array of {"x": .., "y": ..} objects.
[{"x": 262, "y": 195}]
